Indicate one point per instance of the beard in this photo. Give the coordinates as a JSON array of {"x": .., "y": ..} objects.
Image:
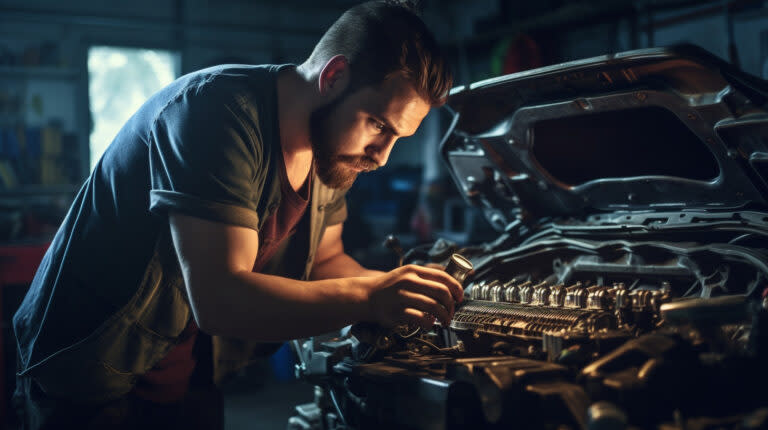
[{"x": 334, "y": 170}]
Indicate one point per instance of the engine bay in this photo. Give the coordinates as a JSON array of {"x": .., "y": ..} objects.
[
  {"x": 566, "y": 333},
  {"x": 628, "y": 285}
]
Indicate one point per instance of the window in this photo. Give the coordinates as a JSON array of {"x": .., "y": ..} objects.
[{"x": 120, "y": 80}]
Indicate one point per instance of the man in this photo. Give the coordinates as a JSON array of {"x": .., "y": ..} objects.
[{"x": 213, "y": 223}]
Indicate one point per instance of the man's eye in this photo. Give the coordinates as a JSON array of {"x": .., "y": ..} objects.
[{"x": 378, "y": 125}]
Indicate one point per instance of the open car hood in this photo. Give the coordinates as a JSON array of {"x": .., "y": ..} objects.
[{"x": 647, "y": 130}]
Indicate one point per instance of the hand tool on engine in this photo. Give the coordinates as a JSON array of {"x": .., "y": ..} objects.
[{"x": 458, "y": 267}]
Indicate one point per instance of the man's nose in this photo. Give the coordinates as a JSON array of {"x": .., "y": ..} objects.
[{"x": 380, "y": 152}]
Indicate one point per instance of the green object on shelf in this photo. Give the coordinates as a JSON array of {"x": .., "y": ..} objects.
[{"x": 36, "y": 103}]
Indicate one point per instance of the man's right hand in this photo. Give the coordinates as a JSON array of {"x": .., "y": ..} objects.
[{"x": 413, "y": 294}]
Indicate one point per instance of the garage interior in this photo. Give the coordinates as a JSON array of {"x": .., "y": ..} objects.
[{"x": 71, "y": 73}]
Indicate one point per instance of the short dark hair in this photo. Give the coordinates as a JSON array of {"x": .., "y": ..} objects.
[{"x": 381, "y": 39}]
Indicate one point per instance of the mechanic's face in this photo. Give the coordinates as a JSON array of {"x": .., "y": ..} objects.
[{"x": 356, "y": 132}]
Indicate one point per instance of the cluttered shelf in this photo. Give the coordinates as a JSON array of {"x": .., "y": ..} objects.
[
  {"x": 41, "y": 142},
  {"x": 37, "y": 159}
]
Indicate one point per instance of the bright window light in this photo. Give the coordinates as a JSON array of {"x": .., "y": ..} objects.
[{"x": 120, "y": 80}]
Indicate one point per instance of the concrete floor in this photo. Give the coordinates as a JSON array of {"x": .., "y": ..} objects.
[{"x": 255, "y": 402}]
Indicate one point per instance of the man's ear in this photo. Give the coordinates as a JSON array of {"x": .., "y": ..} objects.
[{"x": 334, "y": 77}]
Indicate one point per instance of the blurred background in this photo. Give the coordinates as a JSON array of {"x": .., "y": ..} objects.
[{"x": 71, "y": 73}]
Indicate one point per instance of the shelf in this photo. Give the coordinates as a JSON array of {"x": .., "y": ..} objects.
[{"x": 42, "y": 72}]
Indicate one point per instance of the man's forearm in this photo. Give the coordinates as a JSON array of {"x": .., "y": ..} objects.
[
  {"x": 340, "y": 265},
  {"x": 271, "y": 308}
]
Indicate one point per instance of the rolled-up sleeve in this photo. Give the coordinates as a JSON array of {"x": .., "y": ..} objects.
[{"x": 205, "y": 153}]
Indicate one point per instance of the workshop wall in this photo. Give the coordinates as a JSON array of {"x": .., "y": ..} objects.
[
  {"x": 706, "y": 25},
  {"x": 201, "y": 30}
]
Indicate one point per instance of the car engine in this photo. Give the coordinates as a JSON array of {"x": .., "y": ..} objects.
[{"x": 628, "y": 285}]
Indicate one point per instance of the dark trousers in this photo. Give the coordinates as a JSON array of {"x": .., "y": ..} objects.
[{"x": 200, "y": 409}]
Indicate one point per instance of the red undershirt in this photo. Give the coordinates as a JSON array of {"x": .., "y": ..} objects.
[{"x": 169, "y": 380}]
